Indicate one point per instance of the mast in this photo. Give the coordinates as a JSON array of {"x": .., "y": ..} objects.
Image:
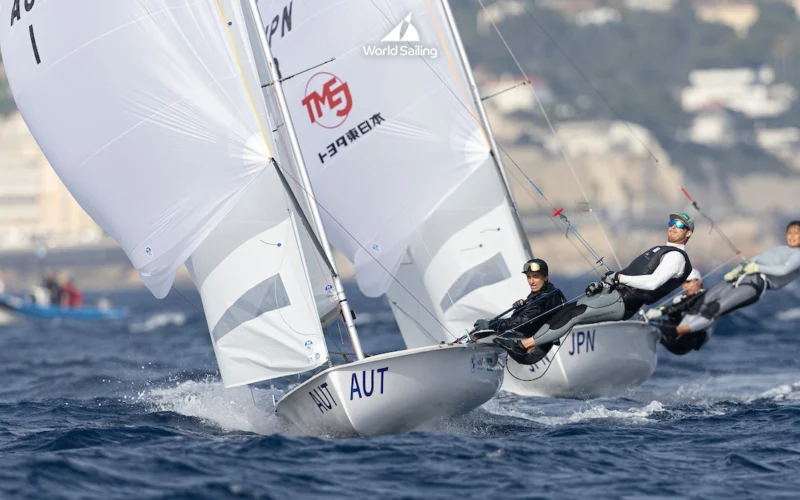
[
  {"x": 495, "y": 152},
  {"x": 305, "y": 180}
]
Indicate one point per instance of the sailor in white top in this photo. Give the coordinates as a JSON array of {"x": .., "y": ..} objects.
[{"x": 649, "y": 278}]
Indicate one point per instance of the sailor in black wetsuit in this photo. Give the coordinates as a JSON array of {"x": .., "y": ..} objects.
[
  {"x": 667, "y": 318},
  {"x": 649, "y": 278},
  {"x": 531, "y": 313}
]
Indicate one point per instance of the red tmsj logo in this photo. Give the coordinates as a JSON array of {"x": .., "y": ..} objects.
[{"x": 328, "y": 100}]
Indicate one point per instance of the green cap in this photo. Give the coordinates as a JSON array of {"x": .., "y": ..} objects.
[{"x": 685, "y": 218}]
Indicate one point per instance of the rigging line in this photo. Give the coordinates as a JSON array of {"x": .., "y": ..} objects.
[
  {"x": 189, "y": 302},
  {"x": 412, "y": 318},
  {"x": 680, "y": 290},
  {"x": 570, "y": 301},
  {"x": 299, "y": 73},
  {"x": 483, "y": 129},
  {"x": 553, "y": 130},
  {"x": 670, "y": 175},
  {"x": 559, "y": 212},
  {"x": 520, "y": 84},
  {"x": 552, "y": 362},
  {"x": 352, "y": 237},
  {"x": 536, "y": 200},
  {"x": 529, "y": 304}
]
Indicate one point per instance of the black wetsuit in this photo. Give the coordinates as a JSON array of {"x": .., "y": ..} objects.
[
  {"x": 672, "y": 315},
  {"x": 540, "y": 307}
]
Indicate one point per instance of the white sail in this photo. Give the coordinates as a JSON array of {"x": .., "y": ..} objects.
[
  {"x": 386, "y": 137},
  {"x": 140, "y": 109},
  {"x": 259, "y": 86},
  {"x": 435, "y": 198},
  {"x": 147, "y": 111}
]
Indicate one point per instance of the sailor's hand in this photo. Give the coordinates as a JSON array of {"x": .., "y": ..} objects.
[
  {"x": 654, "y": 313},
  {"x": 610, "y": 279},
  {"x": 731, "y": 276},
  {"x": 752, "y": 268},
  {"x": 519, "y": 303},
  {"x": 594, "y": 288},
  {"x": 481, "y": 324}
]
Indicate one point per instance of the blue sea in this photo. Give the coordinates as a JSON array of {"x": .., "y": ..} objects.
[{"x": 135, "y": 409}]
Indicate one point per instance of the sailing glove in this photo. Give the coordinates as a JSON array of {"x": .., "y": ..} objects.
[
  {"x": 752, "y": 268},
  {"x": 481, "y": 324},
  {"x": 731, "y": 276},
  {"x": 594, "y": 288},
  {"x": 611, "y": 279},
  {"x": 519, "y": 303}
]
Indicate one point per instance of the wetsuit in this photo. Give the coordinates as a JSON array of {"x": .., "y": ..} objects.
[
  {"x": 540, "y": 307},
  {"x": 649, "y": 278},
  {"x": 672, "y": 315},
  {"x": 777, "y": 268}
]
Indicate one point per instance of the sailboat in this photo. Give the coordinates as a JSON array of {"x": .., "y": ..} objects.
[
  {"x": 455, "y": 255},
  {"x": 151, "y": 113}
]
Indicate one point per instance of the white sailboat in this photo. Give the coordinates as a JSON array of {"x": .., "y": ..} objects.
[
  {"x": 151, "y": 114},
  {"x": 456, "y": 256}
]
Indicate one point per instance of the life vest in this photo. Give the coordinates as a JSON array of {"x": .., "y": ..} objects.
[{"x": 646, "y": 264}]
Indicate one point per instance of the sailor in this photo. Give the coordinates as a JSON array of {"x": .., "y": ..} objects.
[
  {"x": 744, "y": 285},
  {"x": 531, "y": 312},
  {"x": 666, "y": 318},
  {"x": 50, "y": 283},
  {"x": 649, "y": 278}
]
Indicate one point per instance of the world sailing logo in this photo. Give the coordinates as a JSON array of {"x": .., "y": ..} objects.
[
  {"x": 403, "y": 40},
  {"x": 327, "y": 100}
]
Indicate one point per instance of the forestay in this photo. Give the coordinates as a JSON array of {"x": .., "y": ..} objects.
[{"x": 142, "y": 109}]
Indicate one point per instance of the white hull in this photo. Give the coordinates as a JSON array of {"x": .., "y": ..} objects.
[
  {"x": 599, "y": 360},
  {"x": 395, "y": 392}
]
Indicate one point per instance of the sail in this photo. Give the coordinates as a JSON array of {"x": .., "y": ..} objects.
[
  {"x": 467, "y": 254},
  {"x": 465, "y": 260},
  {"x": 455, "y": 255},
  {"x": 145, "y": 110},
  {"x": 140, "y": 109},
  {"x": 250, "y": 273},
  {"x": 277, "y": 138},
  {"x": 387, "y": 128}
]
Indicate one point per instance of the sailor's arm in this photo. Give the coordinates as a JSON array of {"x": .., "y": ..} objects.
[
  {"x": 671, "y": 266},
  {"x": 779, "y": 270}
]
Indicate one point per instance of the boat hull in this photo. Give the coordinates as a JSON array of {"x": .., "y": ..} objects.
[
  {"x": 29, "y": 310},
  {"x": 395, "y": 392},
  {"x": 598, "y": 360}
]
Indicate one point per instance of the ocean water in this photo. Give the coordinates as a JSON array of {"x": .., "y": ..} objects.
[{"x": 135, "y": 409}]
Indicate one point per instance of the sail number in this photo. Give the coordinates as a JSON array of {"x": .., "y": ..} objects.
[
  {"x": 368, "y": 385},
  {"x": 582, "y": 339},
  {"x": 322, "y": 397},
  {"x": 16, "y": 15}
]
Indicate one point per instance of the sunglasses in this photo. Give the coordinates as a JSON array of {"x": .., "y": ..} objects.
[
  {"x": 531, "y": 267},
  {"x": 677, "y": 223}
]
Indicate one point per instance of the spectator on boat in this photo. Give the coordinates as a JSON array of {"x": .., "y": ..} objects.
[
  {"x": 648, "y": 278},
  {"x": 50, "y": 283},
  {"x": 531, "y": 312},
  {"x": 747, "y": 283},
  {"x": 72, "y": 296},
  {"x": 666, "y": 318}
]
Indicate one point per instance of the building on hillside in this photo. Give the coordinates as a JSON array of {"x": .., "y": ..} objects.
[
  {"x": 35, "y": 206},
  {"x": 498, "y": 12},
  {"x": 748, "y": 91},
  {"x": 737, "y": 14}
]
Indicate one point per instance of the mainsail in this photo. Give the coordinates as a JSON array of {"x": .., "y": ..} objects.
[
  {"x": 147, "y": 111},
  {"x": 392, "y": 122}
]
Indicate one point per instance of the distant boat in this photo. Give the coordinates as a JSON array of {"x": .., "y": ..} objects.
[{"x": 28, "y": 309}]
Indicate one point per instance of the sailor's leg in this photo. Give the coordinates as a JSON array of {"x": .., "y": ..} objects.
[
  {"x": 726, "y": 298},
  {"x": 607, "y": 306}
]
